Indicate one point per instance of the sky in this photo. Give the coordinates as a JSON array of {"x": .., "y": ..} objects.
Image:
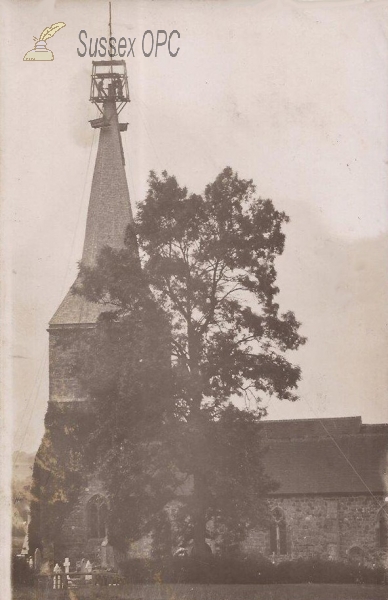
[{"x": 291, "y": 94}]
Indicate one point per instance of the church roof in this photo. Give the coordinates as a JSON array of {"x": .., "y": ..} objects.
[
  {"x": 109, "y": 214},
  {"x": 326, "y": 456},
  {"x": 75, "y": 310}
]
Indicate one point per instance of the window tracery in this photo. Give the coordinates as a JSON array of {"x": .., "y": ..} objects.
[{"x": 278, "y": 533}]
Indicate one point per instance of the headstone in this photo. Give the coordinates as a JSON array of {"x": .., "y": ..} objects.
[
  {"x": 88, "y": 569},
  {"x": 48, "y": 558},
  {"x": 24, "y": 551},
  {"x": 66, "y": 564},
  {"x": 107, "y": 555},
  {"x": 57, "y": 577},
  {"x": 82, "y": 565},
  {"x": 31, "y": 562},
  {"x": 37, "y": 560}
]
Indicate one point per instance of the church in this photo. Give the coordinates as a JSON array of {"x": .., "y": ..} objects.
[
  {"x": 332, "y": 474},
  {"x": 332, "y": 496}
]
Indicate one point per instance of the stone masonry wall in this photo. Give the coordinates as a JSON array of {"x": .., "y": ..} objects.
[
  {"x": 65, "y": 345},
  {"x": 327, "y": 527},
  {"x": 63, "y": 351},
  {"x": 323, "y": 527},
  {"x": 358, "y": 517}
]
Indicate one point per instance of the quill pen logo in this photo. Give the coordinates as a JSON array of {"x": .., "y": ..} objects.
[{"x": 41, "y": 52}]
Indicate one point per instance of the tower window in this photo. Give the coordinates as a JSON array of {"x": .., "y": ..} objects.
[
  {"x": 278, "y": 533},
  {"x": 97, "y": 513}
]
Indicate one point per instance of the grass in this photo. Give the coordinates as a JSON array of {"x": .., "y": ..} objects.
[{"x": 303, "y": 591}]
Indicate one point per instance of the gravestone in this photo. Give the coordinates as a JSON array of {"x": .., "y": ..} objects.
[
  {"x": 37, "y": 560},
  {"x": 88, "y": 569},
  {"x": 107, "y": 555},
  {"x": 47, "y": 559},
  {"x": 57, "y": 577},
  {"x": 66, "y": 564},
  {"x": 25, "y": 546}
]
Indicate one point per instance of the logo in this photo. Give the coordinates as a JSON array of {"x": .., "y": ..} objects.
[{"x": 41, "y": 52}]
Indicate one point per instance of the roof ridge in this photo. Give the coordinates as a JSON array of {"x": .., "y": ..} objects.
[{"x": 316, "y": 419}]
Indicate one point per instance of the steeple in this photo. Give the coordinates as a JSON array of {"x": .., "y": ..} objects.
[
  {"x": 109, "y": 212},
  {"x": 109, "y": 206}
]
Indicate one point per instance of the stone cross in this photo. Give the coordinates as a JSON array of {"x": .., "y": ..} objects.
[{"x": 66, "y": 564}]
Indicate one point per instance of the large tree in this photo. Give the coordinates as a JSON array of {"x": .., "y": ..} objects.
[{"x": 208, "y": 271}]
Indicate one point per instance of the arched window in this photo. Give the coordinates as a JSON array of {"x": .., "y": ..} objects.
[
  {"x": 278, "y": 533},
  {"x": 97, "y": 512},
  {"x": 382, "y": 528}
]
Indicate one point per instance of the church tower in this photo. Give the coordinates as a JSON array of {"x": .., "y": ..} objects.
[
  {"x": 68, "y": 509},
  {"x": 109, "y": 214}
]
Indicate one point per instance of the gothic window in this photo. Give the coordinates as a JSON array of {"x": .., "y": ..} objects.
[
  {"x": 278, "y": 533},
  {"x": 97, "y": 513},
  {"x": 382, "y": 528}
]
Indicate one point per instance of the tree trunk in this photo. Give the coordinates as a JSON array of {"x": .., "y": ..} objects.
[
  {"x": 200, "y": 490},
  {"x": 200, "y": 547},
  {"x": 198, "y": 450}
]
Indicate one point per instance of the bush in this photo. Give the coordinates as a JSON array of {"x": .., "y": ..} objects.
[
  {"x": 191, "y": 570},
  {"x": 316, "y": 570},
  {"x": 246, "y": 570},
  {"x": 21, "y": 572}
]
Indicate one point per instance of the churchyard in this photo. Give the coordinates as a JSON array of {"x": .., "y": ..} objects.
[{"x": 212, "y": 592}]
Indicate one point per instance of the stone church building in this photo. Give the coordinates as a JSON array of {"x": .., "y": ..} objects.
[
  {"x": 332, "y": 498},
  {"x": 332, "y": 474}
]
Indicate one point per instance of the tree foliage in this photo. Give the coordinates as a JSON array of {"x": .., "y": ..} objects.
[
  {"x": 59, "y": 473},
  {"x": 191, "y": 344},
  {"x": 125, "y": 370}
]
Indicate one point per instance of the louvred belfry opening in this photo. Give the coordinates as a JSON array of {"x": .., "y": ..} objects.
[{"x": 109, "y": 81}]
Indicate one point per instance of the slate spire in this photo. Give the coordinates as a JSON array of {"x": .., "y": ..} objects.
[
  {"x": 109, "y": 212},
  {"x": 109, "y": 206}
]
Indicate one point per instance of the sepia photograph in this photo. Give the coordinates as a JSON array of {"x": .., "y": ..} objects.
[{"x": 194, "y": 304}]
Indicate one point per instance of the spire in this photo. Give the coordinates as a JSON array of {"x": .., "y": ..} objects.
[
  {"x": 109, "y": 206},
  {"x": 109, "y": 212}
]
